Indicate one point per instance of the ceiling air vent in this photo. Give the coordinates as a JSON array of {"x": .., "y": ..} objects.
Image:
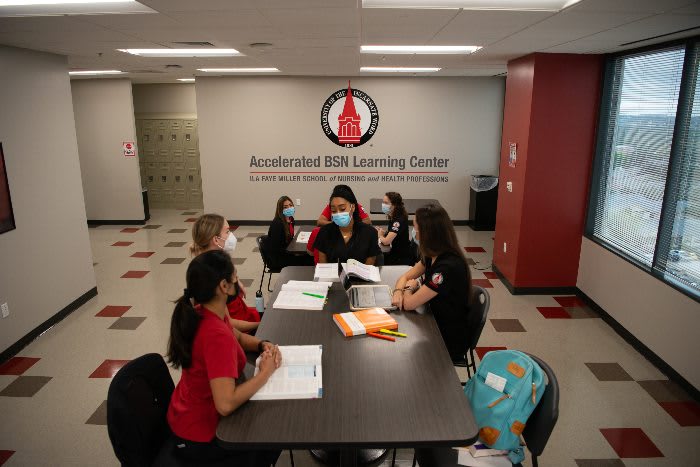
[{"x": 195, "y": 43}]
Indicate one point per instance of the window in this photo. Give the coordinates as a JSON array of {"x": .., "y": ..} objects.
[{"x": 645, "y": 193}]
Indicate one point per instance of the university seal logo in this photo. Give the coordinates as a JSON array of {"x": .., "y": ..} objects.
[{"x": 349, "y": 117}]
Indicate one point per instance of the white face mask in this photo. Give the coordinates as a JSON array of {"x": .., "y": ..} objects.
[{"x": 230, "y": 243}]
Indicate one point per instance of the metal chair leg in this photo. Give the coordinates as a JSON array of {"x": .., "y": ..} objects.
[
  {"x": 414, "y": 459},
  {"x": 262, "y": 278},
  {"x": 269, "y": 279},
  {"x": 291, "y": 457},
  {"x": 393, "y": 458}
]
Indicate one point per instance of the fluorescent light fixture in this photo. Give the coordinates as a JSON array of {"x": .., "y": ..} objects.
[
  {"x": 399, "y": 69},
  {"x": 418, "y": 49},
  {"x": 95, "y": 72},
  {"x": 518, "y": 5},
  {"x": 186, "y": 80},
  {"x": 12, "y": 8},
  {"x": 238, "y": 70},
  {"x": 204, "y": 52}
]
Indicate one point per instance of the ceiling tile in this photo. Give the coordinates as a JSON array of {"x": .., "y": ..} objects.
[{"x": 402, "y": 26}]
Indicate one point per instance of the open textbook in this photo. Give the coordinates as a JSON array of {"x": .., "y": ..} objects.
[
  {"x": 299, "y": 377},
  {"x": 302, "y": 295},
  {"x": 366, "y": 272}
]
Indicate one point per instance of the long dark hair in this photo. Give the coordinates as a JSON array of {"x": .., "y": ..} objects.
[
  {"x": 399, "y": 211},
  {"x": 437, "y": 234},
  {"x": 280, "y": 216},
  {"x": 204, "y": 274},
  {"x": 345, "y": 192}
]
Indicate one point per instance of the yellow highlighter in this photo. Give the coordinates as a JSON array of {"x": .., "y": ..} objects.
[{"x": 392, "y": 333}]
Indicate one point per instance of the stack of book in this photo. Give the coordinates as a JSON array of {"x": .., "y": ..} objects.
[{"x": 302, "y": 295}]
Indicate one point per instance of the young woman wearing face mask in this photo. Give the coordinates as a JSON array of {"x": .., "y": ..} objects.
[
  {"x": 446, "y": 278},
  {"x": 326, "y": 216},
  {"x": 211, "y": 355},
  {"x": 280, "y": 235},
  {"x": 396, "y": 233},
  {"x": 347, "y": 237},
  {"x": 210, "y": 233}
]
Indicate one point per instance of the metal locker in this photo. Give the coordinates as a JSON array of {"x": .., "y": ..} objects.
[
  {"x": 180, "y": 198},
  {"x": 163, "y": 155},
  {"x": 177, "y": 155},
  {"x": 167, "y": 196},
  {"x": 149, "y": 155},
  {"x": 195, "y": 197},
  {"x": 192, "y": 158},
  {"x": 155, "y": 198},
  {"x": 190, "y": 125},
  {"x": 161, "y": 124},
  {"x": 164, "y": 175}
]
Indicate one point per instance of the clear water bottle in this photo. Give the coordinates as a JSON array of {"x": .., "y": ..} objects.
[{"x": 259, "y": 302}]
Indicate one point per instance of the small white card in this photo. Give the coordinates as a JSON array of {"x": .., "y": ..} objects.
[{"x": 495, "y": 381}]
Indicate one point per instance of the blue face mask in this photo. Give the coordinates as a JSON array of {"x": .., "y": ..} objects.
[
  {"x": 341, "y": 219},
  {"x": 386, "y": 208},
  {"x": 413, "y": 235},
  {"x": 289, "y": 212}
]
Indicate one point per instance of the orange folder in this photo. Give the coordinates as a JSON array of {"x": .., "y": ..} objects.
[{"x": 354, "y": 323}]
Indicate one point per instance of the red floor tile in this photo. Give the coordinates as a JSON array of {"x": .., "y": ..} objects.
[
  {"x": 490, "y": 275},
  {"x": 553, "y": 312},
  {"x": 134, "y": 274},
  {"x": 122, "y": 243},
  {"x": 481, "y": 351},
  {"x": 191, "y": 219},
  {"x": 17, "y": 365},
  {"x": 143, "y": 254},
  {"x": 108, "y": 368},
  {"x": 485, "y": 283},
  {"x": 4, "y": 455},
  {"x": 113, "y": 311},
  {"x": 685, "y": 413},
  {"x": 130, "y": 230},
  {"x": 570, "y": 301},
  {"x": 232, "y": 227},
  {"x": 474, "y": 249},
  {"x": 630, "y": 442}
]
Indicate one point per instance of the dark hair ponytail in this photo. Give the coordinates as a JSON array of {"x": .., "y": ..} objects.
[
  {"x": 345, "y": 192},
  {"x": 204, "y": 274}
]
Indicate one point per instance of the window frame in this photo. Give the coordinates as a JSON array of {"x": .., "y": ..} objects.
[{"x": 600, "y": 165}]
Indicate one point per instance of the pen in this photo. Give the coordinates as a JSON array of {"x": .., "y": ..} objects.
[
  {"x": 379, "y": 336},
  {"x": 393, "y": 333},
  {"x": 313, "y": 295}
]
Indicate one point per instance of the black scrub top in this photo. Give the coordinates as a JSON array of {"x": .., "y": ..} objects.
[
  {"x": 362, "y": 245},
  {"x": 448, "y": 277},
  {"x": 400, "y": 252}
]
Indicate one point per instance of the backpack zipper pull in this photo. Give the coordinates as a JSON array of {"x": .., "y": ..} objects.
[
  {"x": 534, "y": 393},
  {"x": 499, "y": 400}
]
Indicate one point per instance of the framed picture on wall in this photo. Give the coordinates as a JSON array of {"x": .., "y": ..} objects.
[{"x": 7, "y": 217}]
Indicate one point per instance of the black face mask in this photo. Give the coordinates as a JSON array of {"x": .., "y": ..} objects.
[{"x": 235, "y": 294}]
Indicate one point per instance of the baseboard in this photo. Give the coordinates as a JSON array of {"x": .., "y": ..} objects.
[
  {"x": 17, "y": 347},
  {"x": 462, "y": 222},
  {"x": 533, "y": 290},
  {"x": 116, "y": 222}
]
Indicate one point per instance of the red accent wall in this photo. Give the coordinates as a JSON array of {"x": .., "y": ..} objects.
[{"x": 551, "y": 112}]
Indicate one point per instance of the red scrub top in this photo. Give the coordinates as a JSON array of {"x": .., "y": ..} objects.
[{"x": 215, "y": 354}]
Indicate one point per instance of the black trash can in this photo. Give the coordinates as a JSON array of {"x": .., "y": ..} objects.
[{"x": 483, "y": 201}]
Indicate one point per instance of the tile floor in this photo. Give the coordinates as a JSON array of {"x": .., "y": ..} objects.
[{"x": 616, "y": 408}]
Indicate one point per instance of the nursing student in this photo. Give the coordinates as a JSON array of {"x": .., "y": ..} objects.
[
  {"x": 211, "y": 232},
  {"x": 446, "y": 284},
  {"x": 396, "y": 233},
  {"x": 280, "y": 235},
  {"x": 347, "y": 236},
  {"x": 325, "y": 217},
  {"x": 211, "y": 355}
]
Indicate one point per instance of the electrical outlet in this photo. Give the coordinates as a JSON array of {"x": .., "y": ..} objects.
[
  {"x": 298, "y": 201},
  {"x": 5, "y": 310},
  {"x": 505, "y": 247},
  {"x": 509, "y": 187}
]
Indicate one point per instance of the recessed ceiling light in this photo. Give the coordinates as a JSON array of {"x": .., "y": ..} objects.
[
  {"x": 12, "y": 8},
  {"x": 399, "y": 69},
  {"x": 95, "y": 72},
  {"x": 519, "y": 5},
  {"x": 182, "y": 52},
  {"x": 418, "y": 49},
  {"x": 238, "y": 70},
  {"x": 186, "y": 80}
]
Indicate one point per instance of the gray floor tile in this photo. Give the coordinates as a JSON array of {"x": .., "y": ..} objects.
[
  {"x": 25, "y": 386},
  {"x": 664, "y": 391},
  {"x": 609, "y": 372},
  {"x": 128, "y": 323},
  {"x": 172, "y": 261},
  {"x": 175, "y": 244},
  {"x": 507, "y": 325},
  {"x": 99, "y": 417}
]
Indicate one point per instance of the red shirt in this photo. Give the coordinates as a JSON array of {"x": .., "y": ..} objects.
[
  {"x": 327, "y": 212},
  {"x": 215, "y": 354},
  {"x": 310, "y": 244},
  {"x": 237, "y": 309}
]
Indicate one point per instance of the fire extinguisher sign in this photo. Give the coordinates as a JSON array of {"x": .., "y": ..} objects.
[{"x": 129, "y": 148}]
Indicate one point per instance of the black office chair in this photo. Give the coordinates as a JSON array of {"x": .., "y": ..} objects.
[
  {"x": 267, "y": 269},
  {"x": 479, "y": 303},
  {"x": 537, "y": 431}
]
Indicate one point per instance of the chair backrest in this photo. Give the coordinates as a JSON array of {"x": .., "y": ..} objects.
[
  {"x": 479, "y": 303},
  {"x": 543, "y": 419},
  {"x": 137, "y": 404},
  {"x": 262, "y": 245}
]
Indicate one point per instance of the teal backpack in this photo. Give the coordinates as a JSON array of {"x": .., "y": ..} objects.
[{"x": 505, "y": 390}]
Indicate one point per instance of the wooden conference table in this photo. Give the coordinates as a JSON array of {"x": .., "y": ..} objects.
[
  {"x": 411, "y": 204},
  {"x": 376, "y": 393}
]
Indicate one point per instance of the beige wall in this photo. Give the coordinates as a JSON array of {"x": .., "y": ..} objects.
[
  {"x": 165, "y": 99},
  {"x": 46, "y": 261},
  {"x": 104, "y": 119},
  {"x": 662, "y": 318},
  {"x": 455, "y": 118}
]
